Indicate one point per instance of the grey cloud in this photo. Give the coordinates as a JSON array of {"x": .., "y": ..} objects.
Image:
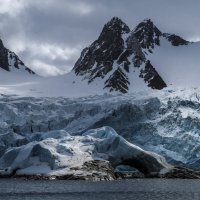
[{"x": 70, "y": 25}]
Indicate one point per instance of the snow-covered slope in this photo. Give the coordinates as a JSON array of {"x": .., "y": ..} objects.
[
  {"x": 68, "y": 85},
  {"x": 179, "y": 66}
]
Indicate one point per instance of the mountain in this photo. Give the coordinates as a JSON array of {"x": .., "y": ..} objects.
[
  {"x": 117, "y": 56},
  {"x": 10, "y": 62},
  {"x": 122, "y": 59}
]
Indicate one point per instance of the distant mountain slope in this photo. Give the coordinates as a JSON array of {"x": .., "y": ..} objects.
[{"x": 9, "y": 61}]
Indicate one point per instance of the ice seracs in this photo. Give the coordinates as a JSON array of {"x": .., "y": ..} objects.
[
  {"x": 165, "y": 122},
  {"x": 64, "y": 155}
]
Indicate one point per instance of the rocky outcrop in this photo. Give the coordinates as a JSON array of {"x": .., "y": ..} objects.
[
  {"x": 95, "y": 170},
  {"x": 118, "y": 82},
  {"x": 175, "y": 39},
  {"x": 151, "y": 77},
  {"x": 3, "y": 57},
  {"x": 180, "y": 172}
]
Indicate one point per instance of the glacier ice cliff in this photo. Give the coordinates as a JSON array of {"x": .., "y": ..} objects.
[
  {"x": 166, "y": 122},
  {"x": 59, "y": 153}
]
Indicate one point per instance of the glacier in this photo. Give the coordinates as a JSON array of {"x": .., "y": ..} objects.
[
  {"x": 59, "y": 153},
  {"x": 50, "y": 135}
]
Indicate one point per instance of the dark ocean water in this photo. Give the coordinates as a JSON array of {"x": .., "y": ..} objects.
[{"x": 137, "y": 189}]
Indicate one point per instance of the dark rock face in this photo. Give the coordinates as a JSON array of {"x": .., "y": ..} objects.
[
  {"x": 148, "y": 35},
  {"x": 180, "y": 172},
  {"x": 10, "y": 60},
  {"x": 151, "y": 77},
  {"x": 3, "y": 57},
  {"x": 96, "y": 170},
  {"x": 118, "y": 81},
  {"x": 97, "y": 60},
  {"x": 175, "y": 39},
  {"x": 115, "y": 55}
]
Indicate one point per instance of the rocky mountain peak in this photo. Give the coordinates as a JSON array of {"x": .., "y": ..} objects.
[
  {"x": 147, "y": 34},
  {"x": 116, "y": 25},
  {"x": 98, "y": 59}
]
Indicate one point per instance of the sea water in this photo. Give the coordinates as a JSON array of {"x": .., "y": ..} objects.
[{"x": 136, "y": 189}]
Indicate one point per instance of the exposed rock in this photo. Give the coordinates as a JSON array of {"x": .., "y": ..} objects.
[
  {"x": 151, "y": 77},
  {"x": 9, "y": 60},
  {"x": 3, "y": 57},
  {"x": 175, "y": 39},
  {"x": 118, "y": 81},
  {"x": 148, "y": 35},
  {"x": 95, "y": 170},
  {"x": 183, "y": 173},
  {"x": 116, "y": 53},
  {"x": 98, "y": 59}
]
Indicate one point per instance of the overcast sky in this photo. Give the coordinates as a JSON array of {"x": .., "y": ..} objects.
[{"x": 48, "y": 35}]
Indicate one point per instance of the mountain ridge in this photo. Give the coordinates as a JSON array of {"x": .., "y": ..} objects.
[{"x": 118, "y": 64}]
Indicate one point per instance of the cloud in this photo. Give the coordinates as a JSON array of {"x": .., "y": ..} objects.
[
  {"x": 11, "y": 7},
  {"x": 44, "y": 59},
  {"x": 45, "y": 69},
  {"x": 49, "y": 35},
  {"x": 52, "y": 51},
  {"x": 80, "y": 8}
]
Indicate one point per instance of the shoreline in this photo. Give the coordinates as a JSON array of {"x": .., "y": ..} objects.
[{"x": 176, "y": 173}]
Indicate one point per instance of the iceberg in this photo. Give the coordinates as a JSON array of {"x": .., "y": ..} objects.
[{"x": 59, "y": 153}]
